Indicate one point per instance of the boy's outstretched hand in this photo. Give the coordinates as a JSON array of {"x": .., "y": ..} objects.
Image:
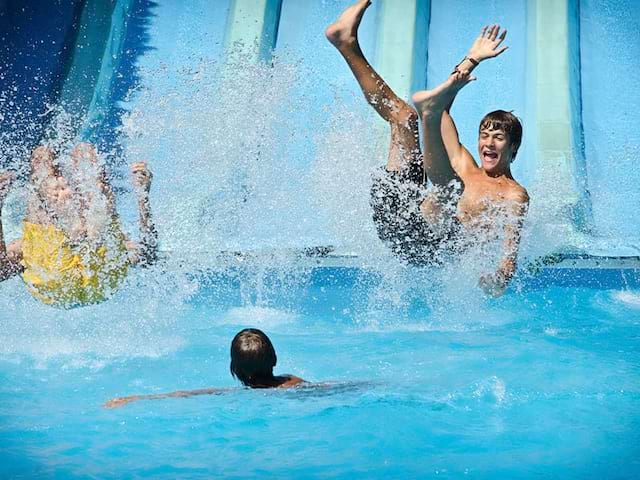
[
  {"x": 487, "y": 45},
  {"x": 141, "y": 176}
]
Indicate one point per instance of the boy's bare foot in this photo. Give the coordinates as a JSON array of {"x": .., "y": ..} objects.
[
  {"x": 343, "y": 33},
  {"x": 435, "y": 101}
]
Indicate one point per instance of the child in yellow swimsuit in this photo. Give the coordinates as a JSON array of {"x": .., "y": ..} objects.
[
  {"x": 62, "y": 264},
  {"x": 59, "y": 273}
]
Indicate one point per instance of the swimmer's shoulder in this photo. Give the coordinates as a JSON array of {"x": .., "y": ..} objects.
[{"x": 290, "y": 381}]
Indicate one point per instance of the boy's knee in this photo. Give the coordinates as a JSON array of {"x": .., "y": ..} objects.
[{"x": 407, "y": 117}]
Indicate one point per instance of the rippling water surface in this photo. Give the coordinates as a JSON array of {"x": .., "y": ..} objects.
[{"x": 543, "y": 383}]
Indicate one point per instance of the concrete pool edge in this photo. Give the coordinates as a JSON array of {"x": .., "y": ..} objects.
[
  {"x": 324, "y": 267},
  {"x": 328, "y": 256}
]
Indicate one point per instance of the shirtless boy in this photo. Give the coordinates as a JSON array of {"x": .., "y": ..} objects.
[
  {"x": 424, "y": 226},
  {"x": 73, "y": 252}
]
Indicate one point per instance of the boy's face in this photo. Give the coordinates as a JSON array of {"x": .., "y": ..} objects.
[{"x": 494, "y": 149}]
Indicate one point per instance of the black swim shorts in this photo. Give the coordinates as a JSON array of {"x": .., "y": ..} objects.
[{"x": 396, "y": 199}]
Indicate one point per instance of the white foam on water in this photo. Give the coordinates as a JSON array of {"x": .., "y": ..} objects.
[
  {"x": 492, "y": 388},
  {"x": 627, "y": 297},
  {"x": 264, "y": 317},
  {"x": 143, "y": 319}
]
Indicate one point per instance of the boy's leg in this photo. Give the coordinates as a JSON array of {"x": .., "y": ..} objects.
[
  {"x": 439, "y": 135},
  {"x": 404, "y": 152},
  {"x": 431, "y": 105}
]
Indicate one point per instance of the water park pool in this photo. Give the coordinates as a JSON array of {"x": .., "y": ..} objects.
[
  {"x": 538, "y": 384},
  {"x": 262, "y": 150}
]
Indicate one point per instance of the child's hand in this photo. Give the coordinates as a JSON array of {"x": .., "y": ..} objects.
[
  {"x": 141, "y": 176},
  {"x": 492, "y": 285},
  {"x": 487, "y": 44}
]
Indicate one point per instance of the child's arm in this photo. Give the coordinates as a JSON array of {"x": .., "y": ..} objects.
[
  {"x": 9, "y": 258},
  {"x": 120, "y": 401},
  {"x": 146, "y": 252}
]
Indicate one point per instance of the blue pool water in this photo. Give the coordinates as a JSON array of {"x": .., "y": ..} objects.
[
  {"x": 538, "y": 384},
  {"x": 421, "y": 376}
]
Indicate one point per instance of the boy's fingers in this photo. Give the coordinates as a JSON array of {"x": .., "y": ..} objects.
[
  {"x": 138, "y": 164},
  {"x": 501, "y": 50},
  {"x": 501, "y": 38},
  {"x": 494, "y": 32}
]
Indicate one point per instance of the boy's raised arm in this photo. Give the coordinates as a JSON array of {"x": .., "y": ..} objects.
[
  {"x": 485, "y": 46},
  {"x": 145, "y": 253},
  {"x": 9, "y": 264},
  {"x": 495, "y": 284}
]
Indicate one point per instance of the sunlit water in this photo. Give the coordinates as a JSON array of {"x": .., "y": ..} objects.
[
  {"x": 542, "y": 384},
  {"x": 427, "y": 377}
]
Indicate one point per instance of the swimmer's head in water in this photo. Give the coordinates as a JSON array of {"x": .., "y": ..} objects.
[
  {"x": 499, "y": 138},
  {"x": 252, "y": 356}
]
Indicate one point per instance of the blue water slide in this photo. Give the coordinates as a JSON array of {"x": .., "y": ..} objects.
[
  {"x": 610, "y": 37},
  {"x": 37, "y": 37},
  {"x": 128, "y": 50}
]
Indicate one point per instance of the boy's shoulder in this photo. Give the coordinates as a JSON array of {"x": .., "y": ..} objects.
[
  {"x": 289, "y": 381},
  {"x": 517, "y": 193}
]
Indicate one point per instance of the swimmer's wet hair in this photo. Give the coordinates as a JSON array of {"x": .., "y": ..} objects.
[
  {"x": 252, "y": 356},
  {"x": 507, "y": 122}
]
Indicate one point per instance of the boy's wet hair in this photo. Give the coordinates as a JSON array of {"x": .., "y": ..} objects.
[
  {"x": 508, "y": 123},
  {"x": 252, "y": 356}
]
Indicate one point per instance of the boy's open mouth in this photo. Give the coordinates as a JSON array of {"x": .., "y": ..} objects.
[{"x": 489, "y": 156}]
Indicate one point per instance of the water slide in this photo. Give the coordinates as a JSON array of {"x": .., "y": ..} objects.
[{"x": 259, "y": 137}]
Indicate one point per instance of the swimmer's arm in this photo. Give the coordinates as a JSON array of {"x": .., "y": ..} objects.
[
  {"x": 120, "y": 401},
  {"x": 496, "y": 284},
  {"x": 146, "y": 252}
]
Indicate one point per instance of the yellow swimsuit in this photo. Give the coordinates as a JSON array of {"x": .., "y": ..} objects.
[{"x": 62, "y": 275}]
